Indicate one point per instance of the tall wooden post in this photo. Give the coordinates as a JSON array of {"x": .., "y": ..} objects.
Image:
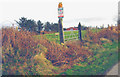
[
  {"x": 61, "y": 34},
  {"x": 60, "y": 16},
  {"x": 80, "y": 33}
]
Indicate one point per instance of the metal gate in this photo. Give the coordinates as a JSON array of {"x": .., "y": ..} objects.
[{"x": 71, "y": 35}]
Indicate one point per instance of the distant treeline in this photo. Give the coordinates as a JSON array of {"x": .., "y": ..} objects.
[{"x": 36, "y": 26}]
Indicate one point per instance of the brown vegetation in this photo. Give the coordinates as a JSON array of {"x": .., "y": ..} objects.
[{"x": 22, "y": 51}]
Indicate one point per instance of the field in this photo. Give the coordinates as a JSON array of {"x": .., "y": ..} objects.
[
  {"x": 43, "y": 55},
  {"x": 56, "y": 38}
]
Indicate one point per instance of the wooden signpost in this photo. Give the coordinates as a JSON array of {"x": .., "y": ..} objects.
[{"x": 60, "y": 16}]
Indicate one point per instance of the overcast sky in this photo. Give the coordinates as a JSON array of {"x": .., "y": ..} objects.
[{"x": 88, "y": 12}]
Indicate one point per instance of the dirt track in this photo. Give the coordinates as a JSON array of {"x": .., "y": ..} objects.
[{"x": 113, "y": 70}]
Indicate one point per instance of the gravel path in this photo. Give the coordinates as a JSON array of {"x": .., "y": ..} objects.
[{"x": 113, "y": 70}]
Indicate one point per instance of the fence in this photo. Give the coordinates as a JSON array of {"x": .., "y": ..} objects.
[
  {"x": 70, "y": 35},
  {"x": 65, "y": 35}
]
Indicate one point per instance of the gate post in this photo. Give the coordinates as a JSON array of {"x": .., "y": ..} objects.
[
  {"x": 96, "y": 29},
  {"x": 61, "y": 34},
  {"x": 79, "y": 33}
]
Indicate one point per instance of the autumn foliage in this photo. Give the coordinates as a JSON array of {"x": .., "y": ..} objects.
[
  {"x": 17, "y": 49},
  {"x": 20, "y": 50},
  {"x": 108, "y": 33},
  {"x": 25, "y": 53}
]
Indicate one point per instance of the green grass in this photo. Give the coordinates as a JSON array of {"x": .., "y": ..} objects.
[
  {"x": 100, "y": 64},
  {"x": 67, "y": 35},
  {"x": 96, "y": 30}
]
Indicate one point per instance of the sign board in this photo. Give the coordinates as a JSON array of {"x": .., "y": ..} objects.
[{"x": 60, "y": 10}]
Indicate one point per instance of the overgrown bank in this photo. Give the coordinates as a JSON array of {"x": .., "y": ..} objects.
[{"x": 30, "y": 55}]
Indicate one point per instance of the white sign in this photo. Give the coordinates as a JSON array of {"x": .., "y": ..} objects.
[{"x": 60, "y": 13}]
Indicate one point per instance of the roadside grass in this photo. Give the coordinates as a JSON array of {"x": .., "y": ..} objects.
[
  {"x": 119, "y": 51},
  {"x": 99, "y": 63}
]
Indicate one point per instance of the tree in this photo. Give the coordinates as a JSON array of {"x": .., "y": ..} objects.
[
  {"x": 51, "y": 27},
  {"x": 22, "y": 22},
  {"x": 39, "y": 24},
  {"x": 32, "y": 26},
  {"x": 47, "y": 26},
  {"x": 54, "y": 27},
  {"x": 27, "y": 24}
]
